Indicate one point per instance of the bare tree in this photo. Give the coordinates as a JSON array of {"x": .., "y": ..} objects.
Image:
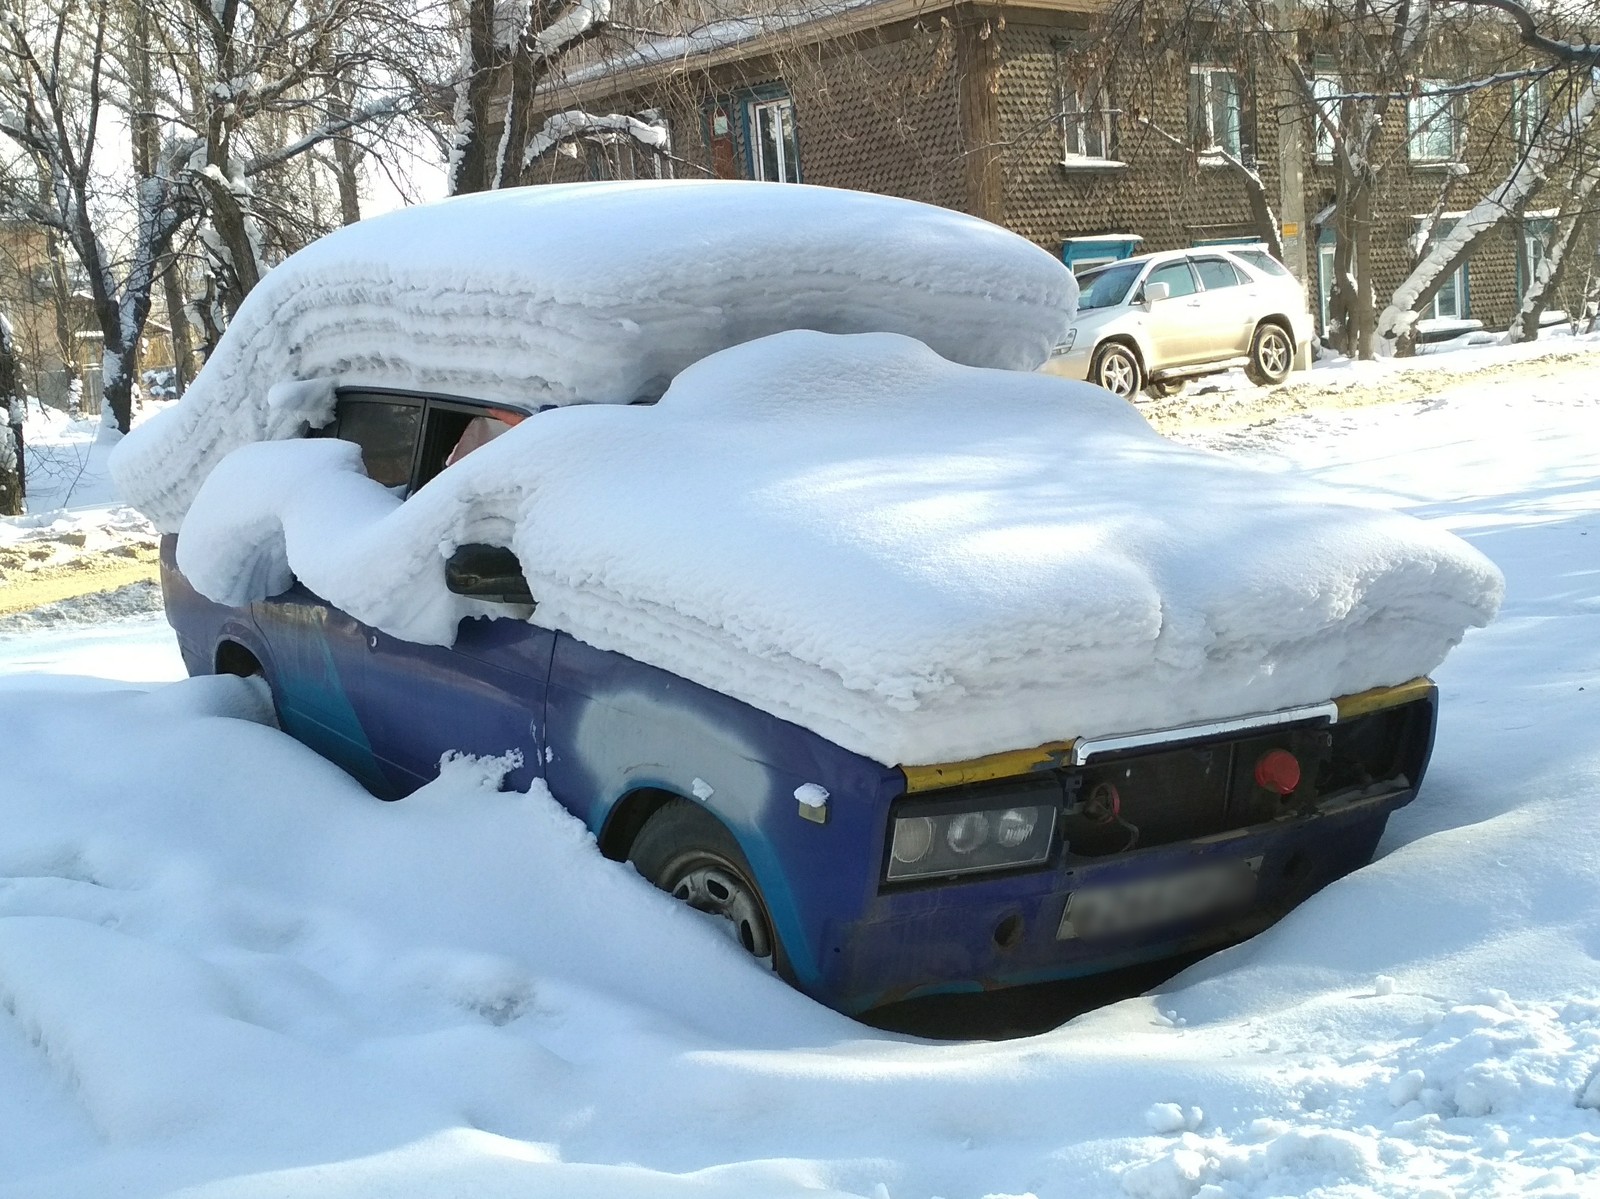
[
  {"x": 284, "y": 98},
  {"x": 508, "y": 51},
  {"x": 58, "y": 91},
  {"x": 1553, "y": 142}
]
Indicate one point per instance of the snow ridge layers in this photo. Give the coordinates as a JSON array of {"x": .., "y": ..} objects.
[
  {"x": 590, "y": 293},
  {"x": 919, "y": 560}
]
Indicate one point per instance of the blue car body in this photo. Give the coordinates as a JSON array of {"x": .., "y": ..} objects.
[{"x": 616, "y": 739}]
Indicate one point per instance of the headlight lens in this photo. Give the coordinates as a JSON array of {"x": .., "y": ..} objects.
[
  {"x": 969, "y": 840},
  {"x": 913, "y": 839},
  {"x": 1065, "y": 344}
]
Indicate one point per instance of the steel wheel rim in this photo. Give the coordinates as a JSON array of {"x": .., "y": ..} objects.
[{"x": 717, "y": 890}]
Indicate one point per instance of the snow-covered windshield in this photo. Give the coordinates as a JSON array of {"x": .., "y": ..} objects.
[{"x": 1107, "y": 286}]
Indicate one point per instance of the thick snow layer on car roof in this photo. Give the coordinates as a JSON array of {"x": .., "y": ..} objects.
[
  {"x": 591, "y": 293},
  {"x": 919, "y": 560}
]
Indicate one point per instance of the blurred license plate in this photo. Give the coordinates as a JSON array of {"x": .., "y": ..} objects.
[{"x": 1151, "y": 902}]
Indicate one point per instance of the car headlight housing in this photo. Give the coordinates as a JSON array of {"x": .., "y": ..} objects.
[
  {"x": 981, "y": 833},
  {"x": 1065, "y": 344}
]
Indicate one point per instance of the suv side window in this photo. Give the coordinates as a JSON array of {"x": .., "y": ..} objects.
[
  {"x": 1177, "y": 276},
  {"x": 1263, "y": 262},
  {"x": 386, "y": 430},
  {"x": 1216, "y": 273}
]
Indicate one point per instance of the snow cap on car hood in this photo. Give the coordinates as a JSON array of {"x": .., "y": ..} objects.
[
  {"x": 919, "y": 560},
  {"x": 586, "y": 294}
]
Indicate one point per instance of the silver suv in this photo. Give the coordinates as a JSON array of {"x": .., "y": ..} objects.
[{"x": 1154, "y": 322}]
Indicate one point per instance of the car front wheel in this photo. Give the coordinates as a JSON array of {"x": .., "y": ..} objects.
[
  {"x": 1271, "y": 355},
  {"x": 691, "y": 856},
  {"x": 1116, "y": 368}
]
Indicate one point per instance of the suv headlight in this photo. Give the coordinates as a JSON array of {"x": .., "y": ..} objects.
[
  {"x": 951, "y": 837},
  {"x": 1065, "y": 344}
]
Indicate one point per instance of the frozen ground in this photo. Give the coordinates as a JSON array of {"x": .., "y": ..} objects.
[
  {"x": 225, "y": 971},
  {"x": 78, "y": 555}
]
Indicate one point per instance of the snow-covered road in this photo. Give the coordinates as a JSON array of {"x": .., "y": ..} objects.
[{"x": 225, "y": 971}]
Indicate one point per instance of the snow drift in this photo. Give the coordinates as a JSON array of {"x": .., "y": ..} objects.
[
  {"x": 590, "y": 293},
  {"x": 919, "y": 560}
]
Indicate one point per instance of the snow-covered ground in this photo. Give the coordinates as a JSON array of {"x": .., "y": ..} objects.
[{"x": 225, "y": 971}]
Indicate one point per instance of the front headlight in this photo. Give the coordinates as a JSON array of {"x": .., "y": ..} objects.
[
  {"x": 1065, "y": 344},
  {"x": 970, "y": 839}
]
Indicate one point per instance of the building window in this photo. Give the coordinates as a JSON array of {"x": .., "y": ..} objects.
[
  {"x": 1450, "y": 302},
  {"x": 1537, "y": 234},
  {"x": 774, "y": 154},
  {"x": 1214, "y": 110},
  {"x": 1435, "y": 124},
  {"x": 1324, "y": 90},
  {"x": 1326, "y": 242},
  {"x": 1528, "y": 114},
  {"x": 1088, "y": 124}
]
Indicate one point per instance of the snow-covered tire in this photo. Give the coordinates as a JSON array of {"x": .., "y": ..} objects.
[
  {"x": 687, "y": 852},
  {"x": 1271, "y": 354},
  {"x": 1167, "y": 388},
  {"x": 1116, "y": 368}
]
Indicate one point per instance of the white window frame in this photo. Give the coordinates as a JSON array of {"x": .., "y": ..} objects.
[
  {"x": 1323, "y": 90},
  {"x": 1529, "y": 113},
  {"x": 661, "y": 162},
  {"x": 1454, "y": 288},
  {"x": 1325, "y": 260},
  {"x": 1208, "y": 76},
  {"x": 1087, "y": 134},
  {"x": 1538, "y": 229},
  {"x": 788, "y": 147},
  {"x": 1432, "y": 118}
]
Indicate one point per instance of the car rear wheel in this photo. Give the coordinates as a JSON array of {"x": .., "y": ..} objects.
[
  {"x": 1271, "y": 354},
  {"x": 689, "y": 854},
  {"x": 1116, "y": 368}
]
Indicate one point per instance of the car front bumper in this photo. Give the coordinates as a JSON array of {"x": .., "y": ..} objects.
[
  {"x": 1001, "y": 932},
  {"x": 1074, "y": 363}
]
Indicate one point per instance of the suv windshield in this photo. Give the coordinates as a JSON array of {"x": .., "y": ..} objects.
[{"x": 1107, "y": 286}]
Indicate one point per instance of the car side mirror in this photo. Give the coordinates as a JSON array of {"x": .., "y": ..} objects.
[
  {"x": 1154, "y": 293},
  {"x": 487, "y": 572}
]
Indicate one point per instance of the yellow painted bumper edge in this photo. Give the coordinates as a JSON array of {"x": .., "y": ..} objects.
[{"x": 1016, "y": 763}]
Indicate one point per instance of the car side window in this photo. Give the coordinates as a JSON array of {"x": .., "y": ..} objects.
[
  {"x": 1263, "y": 262},
  {"x": 1177, "y": 276},
  {"x": 1215, "y": 273},
  {"x": 386, "y": 430}
]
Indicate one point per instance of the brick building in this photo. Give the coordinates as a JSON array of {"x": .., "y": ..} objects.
[{"x": 1003, "y": 112}]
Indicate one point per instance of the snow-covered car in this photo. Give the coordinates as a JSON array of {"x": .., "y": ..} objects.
[
  {"x": 793, "y": 590},
  {"x": 1153, "y": 322}
]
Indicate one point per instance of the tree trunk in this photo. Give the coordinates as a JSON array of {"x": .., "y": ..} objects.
[
  {"x": 178, "y": 318},
  {"x": 116, "y": 381},
  {"x": 470, "y": 161},
  {"x": 13, "y": 468}
]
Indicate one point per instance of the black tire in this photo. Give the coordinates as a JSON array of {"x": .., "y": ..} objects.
[
  {"x": 1116, "y": 368},
  {"x": 1167, "y": 388},
  {"x": 689, "y": 854},
  {"x": 1271, "y": 354}
]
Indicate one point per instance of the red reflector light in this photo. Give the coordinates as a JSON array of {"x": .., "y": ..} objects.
[{"x": 1278, "y": 771}]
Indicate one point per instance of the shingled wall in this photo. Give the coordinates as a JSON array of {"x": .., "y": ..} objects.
[{"x": 1162, "y": 195}]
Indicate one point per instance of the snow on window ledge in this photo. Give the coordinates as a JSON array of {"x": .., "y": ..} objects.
[
  {"x": 1087, "y": 163},
  {"x": 1441, "y": 166},
  {"x": 1215, "y": 156}
]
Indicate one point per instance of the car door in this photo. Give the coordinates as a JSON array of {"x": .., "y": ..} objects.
[
  {"x": 1229, "y": 306},
  {"x": 1172, "y": 323},
  {"x": 386, "y": 709}
]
